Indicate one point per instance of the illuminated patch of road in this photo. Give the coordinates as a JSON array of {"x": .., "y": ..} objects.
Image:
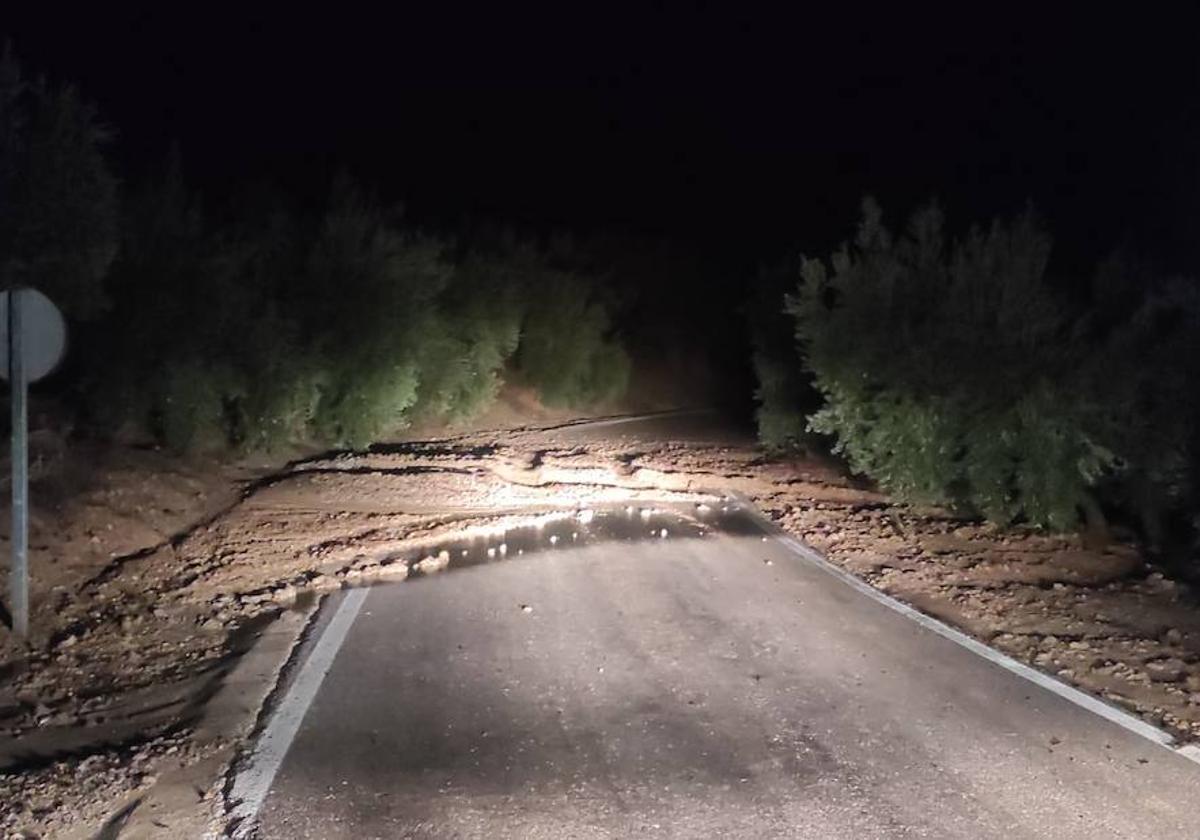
[{"x": 586, "y": 527}]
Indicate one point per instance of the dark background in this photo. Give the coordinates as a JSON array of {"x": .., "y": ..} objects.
[{"x": 742, "y": 132}]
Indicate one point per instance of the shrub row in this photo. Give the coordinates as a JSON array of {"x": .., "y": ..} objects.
[
  {"x": 273, "y": 327},
  {"x": 954, "y": 371},
  {"x": 272, "y": 330}
]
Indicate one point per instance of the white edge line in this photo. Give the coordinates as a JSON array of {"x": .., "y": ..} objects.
[
  {"x": 1070, "y": 693},
  {"x": 254, "y": 781}
]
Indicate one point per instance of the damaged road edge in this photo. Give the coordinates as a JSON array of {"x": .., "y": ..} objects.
[
  {"x": 184, "y": 800},
  {"x": 249, "y": 780}
]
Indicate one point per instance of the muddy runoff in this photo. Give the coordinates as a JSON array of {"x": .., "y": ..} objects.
[
  {"x": 553, "y": 533},
  {"x": 95, "y": 717},
  {"x": 151, "y": 629}
]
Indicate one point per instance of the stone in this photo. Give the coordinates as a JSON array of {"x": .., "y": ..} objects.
[
  {"x": 284, "y": 595},
  {"x": 1166, "y": 670},
  {"x": 433, "y": 564}
]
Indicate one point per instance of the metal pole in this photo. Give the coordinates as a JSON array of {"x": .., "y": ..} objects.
[{"x": 18, "y": 587}]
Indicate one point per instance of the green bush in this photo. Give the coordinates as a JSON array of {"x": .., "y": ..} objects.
[
  {"x": 473, "y": 336},
  {"x": 281, "y": 390},
  {"x": 167, "y": 352},
  {"x": 368, "y": 301},
  {"x": 255, "y": 328},
  {"x": 951, "y": 373},
  {"x": 784, "y": 395},
  {"x": 192, "y": 399},
  {"x": 782, "y": 425},
  {"x": 1148, "y": 369},
  {"x": 270, "y": 330},
  {"x": 567, "y": 350}
]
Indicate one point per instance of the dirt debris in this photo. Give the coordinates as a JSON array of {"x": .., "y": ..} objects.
[{"x": 151, "y": 581}]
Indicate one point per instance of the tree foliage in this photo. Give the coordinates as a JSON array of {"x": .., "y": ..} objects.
[
  {"x": 953, "y": 372},
  {"x": 950, "y": 371},
  {"x": 1146, "y": 327},
  {"x": 567, "y": 350},
  {"x": 58, "y": 199},
  {"x": 784, "y": 395},
  {"x": 271, "y": 329}
]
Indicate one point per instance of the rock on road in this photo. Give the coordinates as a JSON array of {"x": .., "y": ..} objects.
[{"x": 694, "y": 687}]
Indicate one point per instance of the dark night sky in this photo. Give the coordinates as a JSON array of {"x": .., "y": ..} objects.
[{"x": 732, "y": 126}]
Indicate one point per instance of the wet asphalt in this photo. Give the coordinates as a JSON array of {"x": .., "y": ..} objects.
[{"x": 703, "y": 684}]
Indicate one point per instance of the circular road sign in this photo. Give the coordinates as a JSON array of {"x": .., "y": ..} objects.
[{"x": 43, "y": 329}]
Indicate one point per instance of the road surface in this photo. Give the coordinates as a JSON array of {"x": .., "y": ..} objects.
[{"x": 714, "y": 686}]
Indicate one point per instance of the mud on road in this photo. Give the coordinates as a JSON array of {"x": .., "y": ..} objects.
[{"x": 150, "y": 587}]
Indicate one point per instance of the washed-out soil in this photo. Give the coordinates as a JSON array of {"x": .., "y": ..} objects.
[{"x": 152, "y": 574}]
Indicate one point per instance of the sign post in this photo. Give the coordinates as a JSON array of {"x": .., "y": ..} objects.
[
  {"x": 35, "y": 338},
  {"x": 18, "y": 583}
]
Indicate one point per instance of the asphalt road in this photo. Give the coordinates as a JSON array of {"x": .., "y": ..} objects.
[{"x": 692, "y": 687}]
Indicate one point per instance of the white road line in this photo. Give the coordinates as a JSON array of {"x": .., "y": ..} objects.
[
  {"x": 254, "y": 781},
  {"x": 1070, "y": 693}
]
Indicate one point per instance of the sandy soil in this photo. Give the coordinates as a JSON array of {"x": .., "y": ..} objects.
[{"x": 153, "y": 576}]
